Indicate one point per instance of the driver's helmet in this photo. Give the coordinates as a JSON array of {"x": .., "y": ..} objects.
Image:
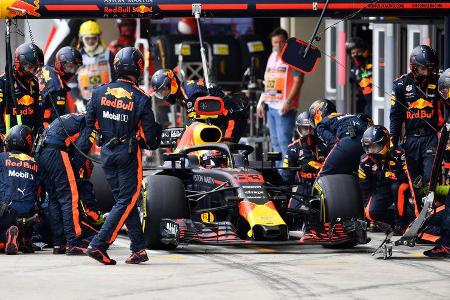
[
  {"x": 375, "y": 140},
  {"x": 214, "y": 159}
]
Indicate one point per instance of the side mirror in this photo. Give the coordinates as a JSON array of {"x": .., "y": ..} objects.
[
  {"x": 293, "y": 54},
  {"x": 174, "y": 157}
]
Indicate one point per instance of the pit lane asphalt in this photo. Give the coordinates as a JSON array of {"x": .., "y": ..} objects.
[{"x": 210, "y": 272}]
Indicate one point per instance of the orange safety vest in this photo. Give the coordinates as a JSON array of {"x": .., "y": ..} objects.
[
  {"x": 279, "y": 80},
  {"x": 94, "y": 72}
]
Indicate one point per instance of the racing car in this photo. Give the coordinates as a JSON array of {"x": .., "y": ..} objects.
[{"x": 230, "y": 200}]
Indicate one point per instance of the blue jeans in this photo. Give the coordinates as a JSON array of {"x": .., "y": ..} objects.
[{"x": 281, "y": 130}]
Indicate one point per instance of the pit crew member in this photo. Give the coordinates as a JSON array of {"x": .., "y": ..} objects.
[{"x": 124, "y": 114}]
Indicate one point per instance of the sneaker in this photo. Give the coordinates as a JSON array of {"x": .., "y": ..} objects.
[
  {"x": 100, "y": 255},
  {"x": 75, "y": 250},
  {"x": 11, "y": 246},
  {"x": 137, "y": 257},
  {"x": 438, "y": 251},
  {"x": 59, "y": 249}
]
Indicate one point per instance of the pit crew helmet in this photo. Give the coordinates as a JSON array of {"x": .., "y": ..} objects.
[
  {"x": 444, "y": 84},
  {"x": 422, "y": 56},
  {"x": 67, "y": 62},
  {"x": 319, "y": 109},
  {"x": 375, "y": 140},
  {"x": 19, "y": 138},
  {"x": 303, "y": 124},
  {"x": 28, "y": 60},
  {"x": 164, "y": 83},
  {"x": 127, "y": 27},
  {"x": 129, "y": 61}
]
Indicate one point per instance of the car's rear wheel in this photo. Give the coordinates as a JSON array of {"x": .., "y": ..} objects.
[
  {"x": 102, "y": 190},
  {"x": 163, "y": 198},
  {"x": 340, "y": 200}
]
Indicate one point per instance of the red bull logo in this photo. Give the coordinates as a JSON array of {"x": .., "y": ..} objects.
[
  {"x": 117, "y": 104},
  {"x": 119, "y": 93},
  {"x": 19, "y": 8},
  {"x": 117, "y": 9},
  {"x": 26, "y": 100},
  {"x": 142, "y": 9},
  {"x": 20, "y": 156},
  {"x": 24, "y": 161},
  {"x": 420, "y": 104},
  {"x": 419, "y": 107}
]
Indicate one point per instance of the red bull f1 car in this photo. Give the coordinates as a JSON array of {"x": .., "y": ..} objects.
[{"x": 230, "y": 200}]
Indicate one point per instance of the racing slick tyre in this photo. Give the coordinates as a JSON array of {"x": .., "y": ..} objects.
[
  {"x": 102, "y": 190},
  {"x": 164, "y": 198},
  {"x": 340, "y": 199}
]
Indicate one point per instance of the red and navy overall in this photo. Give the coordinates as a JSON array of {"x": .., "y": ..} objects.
[
  {"x": 341, "y": 134},
  {"x": 420, "y": 109},
  {"x": 28, "y": 106},
  {"x": 55, "y": 162},
  {"x": 383, "y": 182},
  {"x": 18, "y": 188},
  {"x": 53, "y": 89},
  {"x": 123, "y": 114}
]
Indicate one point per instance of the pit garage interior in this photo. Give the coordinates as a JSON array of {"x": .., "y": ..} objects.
[{"x": 386, "y": 36}]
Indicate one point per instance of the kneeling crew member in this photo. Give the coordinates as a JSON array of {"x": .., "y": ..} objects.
[
  {"x": 18, "y": 190},
  {"x": 382, "y": 182}
]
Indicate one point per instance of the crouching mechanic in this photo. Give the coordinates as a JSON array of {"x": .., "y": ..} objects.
[
  {"x": 341, "y": 134},
  {"x": 442, "y": 248},
  {"x": 18, "y": 191},
  {"x": 124, "y": 114},
  {"x": 167, "y": 86},
  {"x": 307, "y": 154},
  {"x": 55, "y": 163},
  {"x": 53, "y": 82},
  {"x": 383, "y": 180}
]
